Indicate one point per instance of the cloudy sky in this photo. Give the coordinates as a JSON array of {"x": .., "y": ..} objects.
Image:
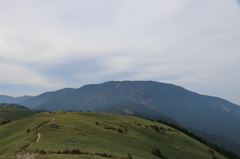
[{"x": 46, "y": 45}]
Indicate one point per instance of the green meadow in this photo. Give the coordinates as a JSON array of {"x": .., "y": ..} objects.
[
  {"x": 8, "y": 113},
  {"x": 96, "y": 135}
]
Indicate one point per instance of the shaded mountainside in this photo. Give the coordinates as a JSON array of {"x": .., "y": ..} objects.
[
  {"x": 60, "y": 134},
  {"x": 37, "y": 100},
  {"x": 94, "y": 97}
]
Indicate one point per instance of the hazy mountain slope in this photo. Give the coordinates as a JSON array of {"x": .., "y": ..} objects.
[
  {"x": 9, "y": 99},
  {"x": 96, "y": 96},
  {"x": 37, "y": 100},
  {"x": 223, "y": 105},
  {"x": 96, "y": 135}
]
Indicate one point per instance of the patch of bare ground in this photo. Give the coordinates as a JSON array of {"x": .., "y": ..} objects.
[{"x": 26, "y": 156}]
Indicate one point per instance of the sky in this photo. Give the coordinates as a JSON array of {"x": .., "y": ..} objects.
[{"x": 46, "y": 45}]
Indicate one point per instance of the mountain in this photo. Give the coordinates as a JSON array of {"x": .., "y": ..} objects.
[
  {"x": 62, "y": 134},
  {"x": 148, "y": 98},
  {"x": 9, "y": 99},
  {"x": 38, "y": 100},
  {"x": 203, "y": 113}
]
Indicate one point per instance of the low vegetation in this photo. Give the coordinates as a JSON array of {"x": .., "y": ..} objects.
[
  {"x": 62, "y": 134},
  {"x": 11, "y": 113}
]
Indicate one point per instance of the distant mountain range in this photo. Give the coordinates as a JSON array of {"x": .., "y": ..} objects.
[
  {"x": 9, "y": 99},
  {"x": 204, "y": 113}
]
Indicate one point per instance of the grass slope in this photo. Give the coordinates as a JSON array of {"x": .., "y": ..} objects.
[
  {"x": 10, "y": 113},
  {"x": 96, "y": 133}
]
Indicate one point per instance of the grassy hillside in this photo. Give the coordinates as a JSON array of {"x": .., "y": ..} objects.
[
  {"x": 96, "y": 135},
  {"x": 10, "y": 113}
]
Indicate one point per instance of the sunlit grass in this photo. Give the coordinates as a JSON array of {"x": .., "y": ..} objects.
[{"x": 93, "y": 133}]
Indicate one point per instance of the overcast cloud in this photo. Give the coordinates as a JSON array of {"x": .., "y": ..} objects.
[{"x": 47, "y": 45}]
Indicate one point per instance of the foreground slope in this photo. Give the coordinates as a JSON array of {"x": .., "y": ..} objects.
[{"x": 96, "y": 135}]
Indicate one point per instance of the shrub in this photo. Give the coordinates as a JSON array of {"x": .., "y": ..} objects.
[
  {"x": 43, "y": 152},
  {"x": 120, "y": 130},
  {"x": 66, "y": 151},
  {"x": 129, "y": 156},
  {"x": 5, "y": 122},
  {"x": 157, "y": 153},
  {"x": 77, "y": 151},
  {"x": 156, "y": 128},
  {"x": 104, "y": 155}
]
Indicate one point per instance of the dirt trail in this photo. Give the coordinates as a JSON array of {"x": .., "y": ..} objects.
[
  {"x": 28, "y": 155},
  {"x": 39, "y": 136}
]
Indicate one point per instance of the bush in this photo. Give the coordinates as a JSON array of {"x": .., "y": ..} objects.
[
  {"x": 43, "y": 152},
  {"x": 157, "y": 153},
  {"x": 129, "y": 156},
  {"x": 120, "y": 130},
  {"x": 156, "y": 128},
  {"x": 77, "y": 151},
  {"x": 5, "y": 122},
  {"x": 66, "y": 151},
  {"x": 104, "y": 155}
]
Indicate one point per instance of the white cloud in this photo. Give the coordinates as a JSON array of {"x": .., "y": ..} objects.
[
  {"x": 18, "y": 74},
  {"x": 190, "y": 43}
]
